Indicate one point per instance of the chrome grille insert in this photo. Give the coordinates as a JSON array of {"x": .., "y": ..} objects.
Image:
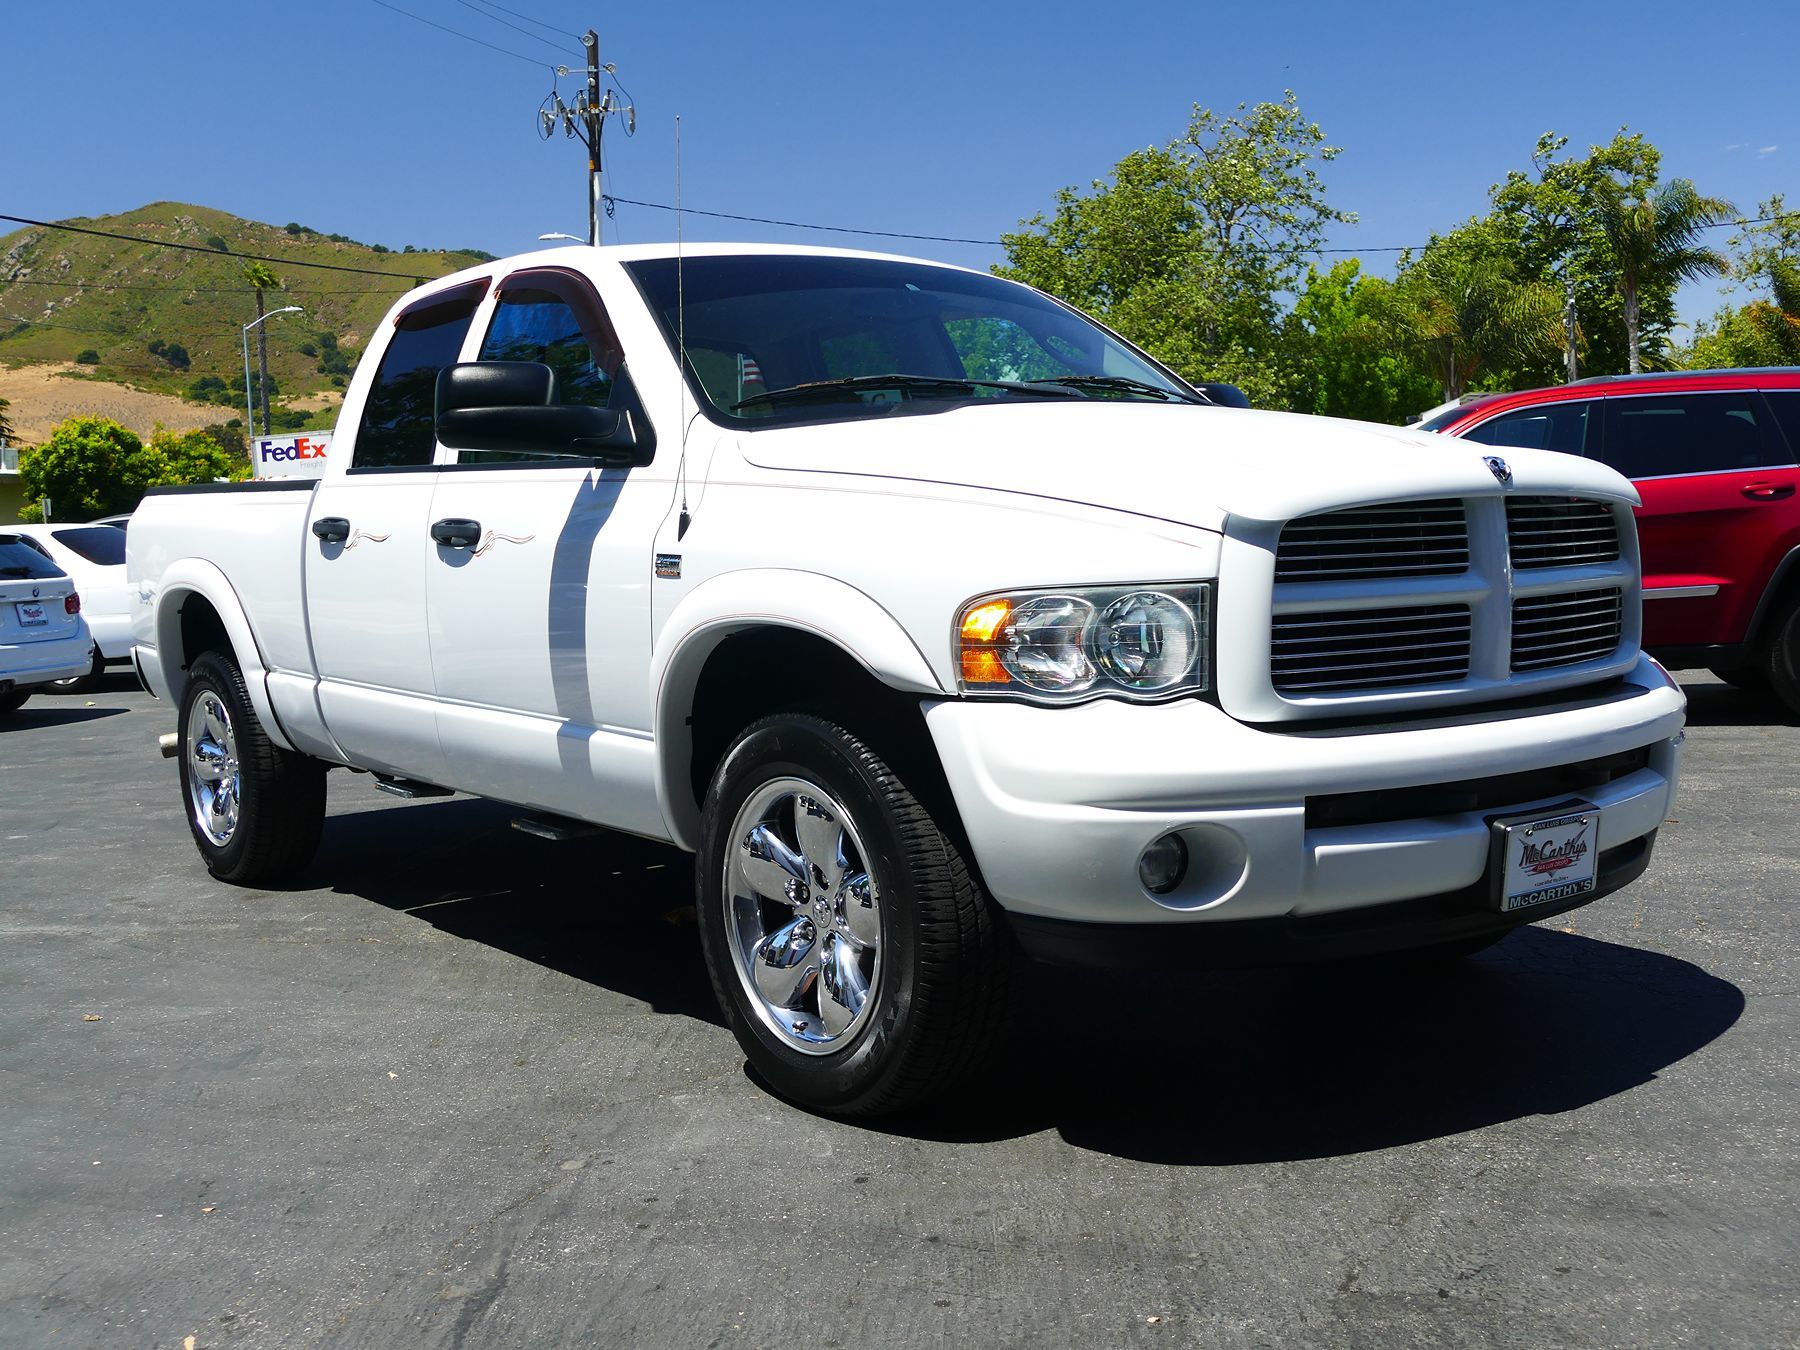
[
  {"x": 1401, "y": 539},
  {"x": 1565, "y": 630},
  {"x": 1360, "y": 649},
  {"x": 1560, "y": 532}
]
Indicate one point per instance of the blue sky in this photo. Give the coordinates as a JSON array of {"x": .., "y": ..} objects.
[{"x": 927, "y": 117}]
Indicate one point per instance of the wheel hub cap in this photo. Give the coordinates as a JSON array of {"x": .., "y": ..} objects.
[
  {"x": 213, "y": 776},
  {"x": 801, "y": 915}
]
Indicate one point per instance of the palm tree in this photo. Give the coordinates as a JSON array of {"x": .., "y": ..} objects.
[
  {"x": 262, "y": 277},
  {"x": 1655, "y": 241},
  {"x": 1473, "y": 315}
]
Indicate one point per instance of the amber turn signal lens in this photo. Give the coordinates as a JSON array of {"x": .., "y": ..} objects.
[
  {"x": 981, "y": 665},
  {"x": 981, "y": 623}
]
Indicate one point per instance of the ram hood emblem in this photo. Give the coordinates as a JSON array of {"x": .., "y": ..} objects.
[{"x": 1499, "y": 469}]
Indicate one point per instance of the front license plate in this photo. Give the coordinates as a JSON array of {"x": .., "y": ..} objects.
[
  {"x": 1548, "y": 859},
  {"x": 32, "y": 613}
]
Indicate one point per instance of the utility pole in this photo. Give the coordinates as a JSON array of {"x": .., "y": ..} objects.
[
  {"x": 1574, "y": 369},
  {"x": 586, "y": 121},
  {"x": 594, "y": 113}
]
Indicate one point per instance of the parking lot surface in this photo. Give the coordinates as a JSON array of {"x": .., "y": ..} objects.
[{"x": 459, "y": 1086}]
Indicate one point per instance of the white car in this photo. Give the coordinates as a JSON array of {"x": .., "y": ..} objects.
[
  {"x": 42, "y": 635},
  {"x": 94, "y": 557}
]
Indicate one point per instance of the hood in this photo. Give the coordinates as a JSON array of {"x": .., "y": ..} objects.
[{"x": 1177, "y": 462}]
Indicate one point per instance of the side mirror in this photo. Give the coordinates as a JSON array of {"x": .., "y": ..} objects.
[
  {"x": 1225, "y": 395},
  {"x": 511, "y": 407}
]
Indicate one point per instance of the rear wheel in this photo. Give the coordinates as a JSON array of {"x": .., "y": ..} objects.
[
  {"x": 859, "y": 963},
  {"x": 1781, "y": 658},
  {"x": 13, "y": 700},
  {"x": 255, "y": 810},
  {"x": 80, "y": 684}
]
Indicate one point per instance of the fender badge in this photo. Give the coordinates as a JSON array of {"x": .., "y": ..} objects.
[
  {"x": 1497, "y": 467},
  {"x": 668, "y": 565}
]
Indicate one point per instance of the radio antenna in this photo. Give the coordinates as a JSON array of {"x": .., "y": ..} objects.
[{"x": 681, "y": 528}]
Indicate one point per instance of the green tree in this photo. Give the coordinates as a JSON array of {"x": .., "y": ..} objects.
[
  {"x": 1655, "y": 239},
  {"x": 198, "y": 456},
  {"x": 88, "y": 467},
  {"x": 1188, "y": 247},
  {"x": 1473, "y": 314},
  {"x": 6, "y": 426},
  {"x": 1765, "y": 331},
  {"x": 1352, "y": 335},
  {"x": 1551, "y": 219},
  {"x": 262, "y": 278}
]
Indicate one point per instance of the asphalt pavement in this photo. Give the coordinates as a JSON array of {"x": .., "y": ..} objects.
[{"x": 459, "y": 1086}]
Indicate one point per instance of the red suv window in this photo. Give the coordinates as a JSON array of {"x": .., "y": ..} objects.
[
  {"x": 1548, "y": 426},
  {"x": 1661, "y": 435}
]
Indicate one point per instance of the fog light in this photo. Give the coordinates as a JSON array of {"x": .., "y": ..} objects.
[{"x": 1163, "y": 865}]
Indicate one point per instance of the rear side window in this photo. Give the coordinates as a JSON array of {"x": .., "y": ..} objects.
[
  {"x": 1549, "y": 426},
  {"x": 1785, "y": 403},
  {"x": 100, "y": 544},
  {"x": 398, "y": 427},
  {"x": 1661, "y": 435},
  {"x": 19, "y": 561}
]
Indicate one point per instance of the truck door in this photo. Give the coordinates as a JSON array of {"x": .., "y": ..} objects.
[
  {"x": 368, "y": 546},
  {"x": 540, "y": 627}
]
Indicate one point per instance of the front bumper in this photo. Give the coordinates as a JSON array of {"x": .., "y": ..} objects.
[{"x": 1059, "y": 803}]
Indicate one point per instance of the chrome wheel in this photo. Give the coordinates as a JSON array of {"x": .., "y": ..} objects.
[
  {"x": 214, "y": 781},
  {"x": 803, "y": 917}
]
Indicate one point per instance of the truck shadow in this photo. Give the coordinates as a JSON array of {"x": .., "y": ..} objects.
[
  {"x": 1720, "y": 705},
  {"x": 1209, "y": 1069},
  {"x": 609, "y": 909},
  {"x": 1292, "y": 1064}
]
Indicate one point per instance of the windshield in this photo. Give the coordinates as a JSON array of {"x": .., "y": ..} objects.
[{"x": 795, "y": 337}]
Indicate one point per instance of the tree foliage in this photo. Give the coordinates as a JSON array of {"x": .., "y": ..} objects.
[
  {"x": 1656, "y": 238},
  {"x": 88, "y": 467},
  {"x": 1353, "y": 343},
  {"x": 1188, "y": 248}
]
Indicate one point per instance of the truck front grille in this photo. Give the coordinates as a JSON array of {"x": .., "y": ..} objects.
[
  {"x": 1475, "y": 598},
  {"x": 1560, "y": 532},
  {"x": 1564, "y": 630},
  {"x": 1401, "y": 539},
  {"x": 1356, "y": 649}
]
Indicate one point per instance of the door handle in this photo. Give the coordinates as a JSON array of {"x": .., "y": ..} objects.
[
  {"x": 1768, "y": 492},
  {"x": 456, "y": 533},
  {"x": 331, "y": 529}
]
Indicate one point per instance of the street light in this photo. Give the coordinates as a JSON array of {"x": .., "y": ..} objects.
[
  {"x": 249, "y": 407},
  {"x": 558, "y": 234}
]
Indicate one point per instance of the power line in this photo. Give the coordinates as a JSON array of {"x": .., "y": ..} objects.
[
  {"x": 217, "y": 253},
  {"x": 552, "y": 28},
  {"x": 432, "y": 23},
  {"x": 468, "y": 5},
  {"x": 175, "y": 290}
]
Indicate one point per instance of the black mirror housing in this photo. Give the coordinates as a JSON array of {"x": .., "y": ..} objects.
[{"x": 511, "y": 407}]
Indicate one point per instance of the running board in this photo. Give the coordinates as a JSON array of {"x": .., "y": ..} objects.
[
  {"x": 555, "y": 828},
  {"x": 410, "y": 788}
]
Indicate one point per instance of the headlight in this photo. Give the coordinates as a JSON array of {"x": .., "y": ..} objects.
[{"x": 1145, "y": 642}]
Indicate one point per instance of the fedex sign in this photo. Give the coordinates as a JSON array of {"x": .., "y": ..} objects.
[{"x": 301, "y": 456}]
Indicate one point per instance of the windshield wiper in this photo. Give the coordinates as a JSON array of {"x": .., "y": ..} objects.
[
  {"x": 1125, "y": 385},
  {"x": 913, "y": 384}
]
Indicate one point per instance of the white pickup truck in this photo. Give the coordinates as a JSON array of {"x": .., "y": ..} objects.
[{"x": 941, "y": 623}]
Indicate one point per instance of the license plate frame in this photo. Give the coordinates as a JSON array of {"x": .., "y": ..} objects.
[
  {"x": 32, "y": 613},
  {"x": 1544, "y": 857}
]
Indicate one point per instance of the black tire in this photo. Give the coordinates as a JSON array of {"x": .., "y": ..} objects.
[
  {"x": 81, "y": 684},
  {"x": 1781, "y": 658},
  {"x": 12, "y": 701},
  {"x": 270, "y": 825},
  {"x": 943, "y": 982}
]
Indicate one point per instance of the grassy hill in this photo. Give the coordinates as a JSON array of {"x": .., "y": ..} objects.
[{"x": 64, "y": 296}]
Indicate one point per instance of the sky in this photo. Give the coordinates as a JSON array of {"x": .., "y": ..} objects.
[{"x": 927, "y": 118}]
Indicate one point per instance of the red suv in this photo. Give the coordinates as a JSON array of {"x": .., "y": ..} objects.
[{"x": 1713, "y": 454}]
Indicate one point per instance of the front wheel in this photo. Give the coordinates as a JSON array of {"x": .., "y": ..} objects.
[
  {"x": 12, "y": 700},
  {"x": 857, "y": 959},
  {"x": 255, "y": 810}
]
